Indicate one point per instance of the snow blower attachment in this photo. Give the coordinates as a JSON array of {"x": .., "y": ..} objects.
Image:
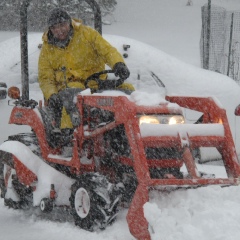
[{"x": 120, "y": 152}]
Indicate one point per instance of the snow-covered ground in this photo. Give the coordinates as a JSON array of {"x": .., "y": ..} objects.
[{"x": 209, "y": 213}]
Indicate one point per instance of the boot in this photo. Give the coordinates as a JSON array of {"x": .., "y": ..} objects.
[
  {"x": 67, "y": 144},
  {"x": 66, "y": 136},
  {"x": 55, "y": 138}
]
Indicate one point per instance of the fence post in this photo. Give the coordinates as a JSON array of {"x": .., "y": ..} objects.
[
  {"x": 230, "y": 46},
  {"x": 208, "y": 35},
  {"x": 24, "y": 48}
]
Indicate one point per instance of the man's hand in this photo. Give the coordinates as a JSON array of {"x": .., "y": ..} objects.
[
  {"x": 55, "y": 102},
  {"x": 121, "y": 70}
]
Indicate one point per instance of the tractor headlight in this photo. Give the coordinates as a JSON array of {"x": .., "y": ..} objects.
[
  {"x": 161, "y": 119},
  {"x": 148, "y": 119}
]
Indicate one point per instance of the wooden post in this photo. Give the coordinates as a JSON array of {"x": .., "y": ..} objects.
[
  {"x": 230, "y": 46},
  {"x": 24, "y": 49},
  {"x": 208, "y": 35}
]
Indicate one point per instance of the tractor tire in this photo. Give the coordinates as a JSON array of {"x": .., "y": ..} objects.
[
  {"x": 3, "y": 90},
  {"x": 8, "y": 202},
  {"x": 2, "y": 183},
  {"x": 20, "y": 191},
  {"x": 23, "y": 193},
  {"x": 94, "y": 202},
  {"x": 3, "y": 94},
  {"x": 46, "y": 205}
]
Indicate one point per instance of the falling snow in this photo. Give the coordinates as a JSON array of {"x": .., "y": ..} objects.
[{"x": 171, "y": 32}]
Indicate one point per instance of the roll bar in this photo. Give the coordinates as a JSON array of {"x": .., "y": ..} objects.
[{"x": 24, "y": 40}]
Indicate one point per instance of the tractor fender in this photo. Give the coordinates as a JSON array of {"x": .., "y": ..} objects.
[
  {"x": 31, "y": 170},
  {"x": 24, "y": 174},
  {"x": 32, "y": 118}
]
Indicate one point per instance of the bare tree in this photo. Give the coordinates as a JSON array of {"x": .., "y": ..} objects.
[{"x": 38, "y": 12}]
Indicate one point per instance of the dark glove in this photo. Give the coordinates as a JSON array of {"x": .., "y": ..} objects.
[
  {"x": 55, "y": 102},
  {"x": 121, "y": 70},
  {"x": 109, "y": 84}
]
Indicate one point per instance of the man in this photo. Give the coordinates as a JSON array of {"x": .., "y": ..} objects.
[{"x": 70, "y": 53}]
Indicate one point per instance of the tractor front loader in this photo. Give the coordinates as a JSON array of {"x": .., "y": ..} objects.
[{"x": 120, "y": 152}]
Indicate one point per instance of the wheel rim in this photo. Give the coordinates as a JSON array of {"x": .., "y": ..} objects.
[
  {"x": 82, "y": 203},
  {"x": 42, "y": 205}
]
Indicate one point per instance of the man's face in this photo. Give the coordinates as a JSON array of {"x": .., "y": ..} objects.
[{"x": 60, "y": 31}]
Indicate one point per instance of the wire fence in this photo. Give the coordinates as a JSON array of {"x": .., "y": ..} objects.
[{"x": 220, "y": 45}]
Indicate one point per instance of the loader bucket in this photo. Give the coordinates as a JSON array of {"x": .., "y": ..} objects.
[{"x": 216, "y": 133}]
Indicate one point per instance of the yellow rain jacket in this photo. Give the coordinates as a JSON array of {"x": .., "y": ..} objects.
[{"x": 86, "y": 53}]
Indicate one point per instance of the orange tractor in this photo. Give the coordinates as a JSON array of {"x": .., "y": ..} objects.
[{"x": 120, "y": 152}]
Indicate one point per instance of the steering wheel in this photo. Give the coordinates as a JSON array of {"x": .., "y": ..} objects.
[{"x": 106, "y": 84}]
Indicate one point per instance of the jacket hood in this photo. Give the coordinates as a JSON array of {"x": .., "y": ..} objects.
[{"x": 76, "y": 23}]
